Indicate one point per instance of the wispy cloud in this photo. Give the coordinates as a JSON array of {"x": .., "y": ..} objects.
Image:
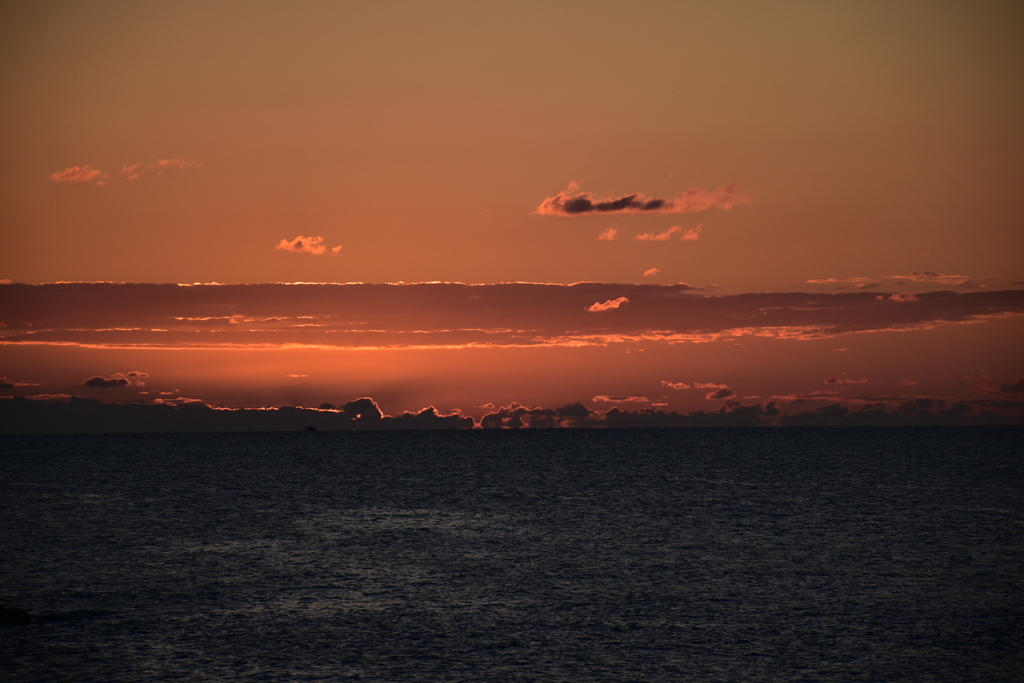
[
  {"x": 651, "y": 272},
  {"x": 609, "y": 235},
  {"x": 307, "y": 245},
  {"x": 931, "y": 278},
  {"x": 572, "y": 202},
  {"x": 621, "y": 399},
  {"x": 658, "y": 237},
  {"x": 133, "y": 171},
  {"x": 80, "y": 174},
  {"x": 607, "y": 305},
  {"x": 721, "y": 391},
  {"x": 88, "y": 174},
  {"x": 926, "y": 278},
  {"x": 688, "y": 236},
  {"x": 692, "y": 234}
]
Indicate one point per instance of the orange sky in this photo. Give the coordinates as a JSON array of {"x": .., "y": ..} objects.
[{"x": 743, "y": 148}]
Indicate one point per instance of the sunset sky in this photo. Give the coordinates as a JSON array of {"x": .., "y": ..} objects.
[{"x": 671, "y": 206}]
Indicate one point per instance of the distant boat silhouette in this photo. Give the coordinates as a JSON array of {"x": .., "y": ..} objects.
[{"x": 310, "y": 428}]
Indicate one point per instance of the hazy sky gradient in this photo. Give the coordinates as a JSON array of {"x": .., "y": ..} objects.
[{"x": 874, "y": 148}]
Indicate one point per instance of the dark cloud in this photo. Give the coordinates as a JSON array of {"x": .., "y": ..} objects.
[
  {"x": 731, "y": 414},
  {"x": 1014, "y": 388},
  {"x": 429, "y": 418},
  {"x": 365, "y": 409},
  {"x": 724, "y": 392},
  {"x": 583, "y": 203},
  {"x": 516, "y": 416},
  {"x": 105, "y": 382},
  {"x": 571, "y": 202},
  {"x": 920, "y": 411},
  {"x": 119, "y": 379}
]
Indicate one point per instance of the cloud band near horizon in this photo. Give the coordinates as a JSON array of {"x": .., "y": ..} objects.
[{"x": 454, "y": 315}]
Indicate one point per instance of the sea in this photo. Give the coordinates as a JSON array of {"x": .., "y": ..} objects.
[{"x": 729, "y": 554}]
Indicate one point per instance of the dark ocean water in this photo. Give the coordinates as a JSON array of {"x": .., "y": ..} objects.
[{"x": 550, "y": 555}]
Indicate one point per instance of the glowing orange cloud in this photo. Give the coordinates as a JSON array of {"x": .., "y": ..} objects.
[
  {"x": 306, "y": 245},
  {"x": 80, "y": 174},
  {"x": 571, "y": 202},
  {"x": 609, "y": 235},
  {"x": 607, "y": 305},
  {"x": 651, "y": 272}
]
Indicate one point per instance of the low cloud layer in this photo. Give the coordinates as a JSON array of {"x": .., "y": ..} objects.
[
  {"x": 572, "y": 202},
  {"x": 72, "y": 415}
]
